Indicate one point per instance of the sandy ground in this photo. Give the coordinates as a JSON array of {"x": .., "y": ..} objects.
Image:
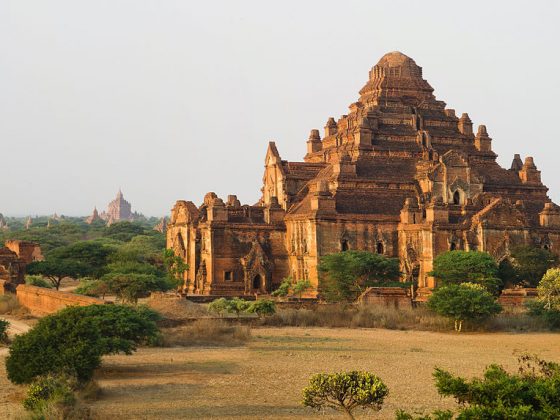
[{"x": 265, "y": 378}]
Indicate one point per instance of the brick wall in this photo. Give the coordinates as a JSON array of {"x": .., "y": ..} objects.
[
  {"x": 41, "y": 301},
  {"x": 386, "y": 296}
]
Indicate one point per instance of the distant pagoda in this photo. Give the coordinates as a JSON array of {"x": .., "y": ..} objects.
[{"x": 118, "y": 210}]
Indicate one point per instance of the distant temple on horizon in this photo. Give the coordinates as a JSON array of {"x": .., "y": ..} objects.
[
  {"x": 118, "y": 210},
  {"x": 399, "y": 174}
]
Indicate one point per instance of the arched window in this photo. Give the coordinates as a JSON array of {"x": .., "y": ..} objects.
[
  {"x": 452, "y": 246},
  {"x": 457, "y": 197},
  {"x": 380, "y": 249},
  {"x": 344, "y": 245},
  {"x": 257, "y": 282}
]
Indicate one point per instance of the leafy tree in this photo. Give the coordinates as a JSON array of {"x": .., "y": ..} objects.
[
  {"x": 301, "y": 287},
  {"x": 345, "y": 275},
  {"x": 55, "y": 270},
  {"x": 456, "y": 267},
  {"x": 4, "y": 325},
  {"x": 92, "y": 255},
  {"x": 92, "y": 287},
  {"x": 531, "y": 393},
  {"x": 284, "y": 288},
  {"x": 74, "y": 339},
  {"x": 345, "y": 392},
  {"x": 124, "y": 231},
  {"x": 461, "y": 302},
  {"x": 218, "y": 306},
  {"x": 175, "y": 267},
  {"x": 262, "y": 307},
  {"x": 223, "y": 305},
  {"x": 129, "y": 287},
  {"x": 547, "y": 304},
  {"x": 530, "y": 263}
]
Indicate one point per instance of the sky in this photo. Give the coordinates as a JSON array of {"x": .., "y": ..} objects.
[{"x": 171, "y": 99}]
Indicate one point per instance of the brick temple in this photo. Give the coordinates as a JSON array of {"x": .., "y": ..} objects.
[{"x": 400, "y": 175}]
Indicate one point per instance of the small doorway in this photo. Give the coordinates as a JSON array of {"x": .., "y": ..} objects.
[{"x": 257, "y": 282}]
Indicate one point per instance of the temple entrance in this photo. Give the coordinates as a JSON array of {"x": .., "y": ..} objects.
[
  {"x": 257, "y": 282},
  {"x": 457, "y": 197}
]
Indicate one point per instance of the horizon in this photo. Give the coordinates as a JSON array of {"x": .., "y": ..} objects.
[{"x": 186, "y": 99}]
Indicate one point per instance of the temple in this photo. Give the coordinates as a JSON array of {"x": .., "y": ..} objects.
[
  {"x": 400, "y": 175},
  {"x": 118, "y": 210}
]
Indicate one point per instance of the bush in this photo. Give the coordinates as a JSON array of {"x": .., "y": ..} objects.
[
  {"x": 4, "y": 325},
  {"x": 466, "y": 301},
  {"x": 222, "y": 306},
  {"x": 284, "y": 288},
  {"x": 37, "y": 281},
  {"x": 345, "y": 392},
  {"x": 49, "y": 388},
  {"x": 94, "y": 288},
  {"x": 551, "y": 317},
  {"x": 262, "y": 307},
  {"x": 74, "y": 339},
  {"x": 531, "y": 393}
]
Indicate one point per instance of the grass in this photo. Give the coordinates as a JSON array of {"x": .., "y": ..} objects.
[{"x": 206, "y": 332}]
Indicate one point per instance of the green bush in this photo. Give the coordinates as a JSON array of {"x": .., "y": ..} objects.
[
  {"x": 37, "y": 281},
  {"x": 550, "y": 316},
  {"x": 284, "y": 288},
  {"x": 58, "y": 389},
  {"x": 74, "y": 339},
  {"x": 4, "y": 325},
  {"x": 223, "y": 305},
  {"x": 94, "y": 288},
  {"x": 262, "y": 307},
  {"x": 345, "y": 391},
  {"x": 466, "y": 301}
]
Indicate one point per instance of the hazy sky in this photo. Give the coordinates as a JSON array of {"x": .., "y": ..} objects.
[{"x": 171, "y": 99}]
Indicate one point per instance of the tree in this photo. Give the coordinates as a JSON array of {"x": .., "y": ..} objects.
[
  {"x": 93, "y": 256},
  {"x": 55, "y": 270},
  {"x": 300, "y": 287},
  {"x": 223, "y": 305},
  {"x": 129, "y": 287},
  {"x": 124, "y": 231},
  {"x": 74, "y": 339},
  {"x": 547, "y": 304},
  {"x": 461, "y": 302},
  {"x": 37, "y": 281},
  {"x": 456, "y": 267},
  {"x": 345, "y": 275},
  {"x": 284, "y": 289},
  {"x": 91, "y": 287},
  {"x": 345, "y": 392},
  {"x": 531, "y": 393},
  {"x": 262, "y": 307},
  {"x": 175, "y": 267},
  {"x": 530, "y": 263},
  {"x": 4, "y": 325}
]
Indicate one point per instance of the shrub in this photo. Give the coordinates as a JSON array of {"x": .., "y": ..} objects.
[
  {"x": 549, "y": 289},
  {"x": 262, "y": 307},
  {"x": 223, "y": 305},
  {"x": 94, "y": 288},
  {"x": 37, "y": 281},
  {"x": 49, "y": 388},
  {"x": 551, "y": 317},
  {"x": 284, "y": 288},
  {"x": 74, "y": 339},
  {"x": 129, "y": 287},
  {"x": 345, "y": 392},
  {"x": 531, "y": 393},
  {"x": 466, "y": 301},
  {"x": 4, "y": 325}
]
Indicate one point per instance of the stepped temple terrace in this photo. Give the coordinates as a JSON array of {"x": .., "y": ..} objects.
[{"x": 401, "y": 175}]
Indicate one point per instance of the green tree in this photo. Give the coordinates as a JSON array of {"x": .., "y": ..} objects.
[
  {"x": 4, "y": 325},
  {"x": 129, "y": 287},
  {"x": 175, "y": 267},
  {"x": 55, "y": 270},
  {"x": 92, "y": 287},
  {"x": 533, "y": 393},
  {"x": 92, "y": 255},
  {"x": 37, "y": 281},
  {"x": 530, "y": 263},
  {"x": 345, "y": 392},
  {"x": 124, "y": 231},
  {"x": 223, "y": 305},
  {"x": 456, "y": 267},
  {"x": 218, "y": 306},
  {"x": 345, "y": 275},
  {"x": 462, "y": 302},
  {"x": 547, "y": 304},
  {"x": 284, "y": 289},
  {"x": 74, "y": 339},
  {"x": 262, "y": 307},
  {"x": 301, "y": 287}
]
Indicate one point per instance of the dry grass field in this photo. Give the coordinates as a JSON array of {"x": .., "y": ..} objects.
[{"x": 264, "y": 379}]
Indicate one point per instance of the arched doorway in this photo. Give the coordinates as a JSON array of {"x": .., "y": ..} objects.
[
  {"x": 380, "y": 249},
  {"x": 257, "y": 282},
  {"x": 457, "y": 197},
  {"x": 453, "y": 246},
  {"x": 344, "y": 245}
]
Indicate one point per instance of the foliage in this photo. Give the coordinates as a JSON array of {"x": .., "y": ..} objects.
[
  {"x": 345, "y": 275},
  {"x": 4, "y": 325},
  {"x": 50, "y": 388},
  {"x": 175, "y": 267},
  {"x": 529, "y": 264},
  {"x": 456, "y": 267},
  {"x": 74, "y": 339},
  {"x": 550, "y": 316},
  {"x": 92, "y": 255},
  {"x": 262, "y": 307},
  {"x": 92, "y": 287},
  {"x": 284, "y": 288},
  {"x": 123, "y": 231},
  {"x": 466, "y": 301},
  {"x": 531, "y": 393},
  {"x": 345, "y": 391},
  {"x": 549, "y": 289},
  {"x": 436, "y": 415},
  {"x": 129, "y": 287},
  {"x": 223, "y": 305},
  {"x": 301, "y": 287},
  {"x": 37, "y": 281},
  {"x": 55, "y": 270}
]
